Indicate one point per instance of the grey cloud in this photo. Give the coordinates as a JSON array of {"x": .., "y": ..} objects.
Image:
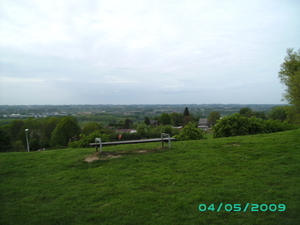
[{"x": 145, "y": 51}]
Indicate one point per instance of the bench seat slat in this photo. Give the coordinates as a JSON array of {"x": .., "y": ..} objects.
[{"x": 133, "y": 141}]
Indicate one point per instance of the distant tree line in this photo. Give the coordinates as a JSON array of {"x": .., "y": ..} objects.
[{"x": 59, "y": 132}]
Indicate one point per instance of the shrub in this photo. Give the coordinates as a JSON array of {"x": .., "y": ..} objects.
[
  {"x": 126, "y": 136},
  {"x": 237, "y": 125},
  {"x": 18, "y": 146},
  {"x": 190, "y": 132},
  {"x": 143, "y": 130},
  {"x": 5, "y": 142},
  {"x": 156, "y": 131},
  {"x": 276, "y": 126},
  {"x": 231, "y": 126},
  {"x": 85, "y": 140}
]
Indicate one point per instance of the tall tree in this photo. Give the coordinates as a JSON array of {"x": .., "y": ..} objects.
[
  {"x": 143, "y": 130},
  {"x": 46, "y": 128},
  {"x": 187, "y": 120},
  {"x": 213, "y": 117},
  {"x": 16, "y": 127},
  {"x": 261, "y": 115},
  {"x": 289, "y": 75},
  {"x": 91, "y": 127},
  {"x": 147, "y": 121},
  {"x": 66, "y": 130},
  {"x": 5, "y": 144},
  {"x": 186, "y": 112},
  {"x": 246, "y": 112},
  {"x": 127, "y": 123},
  {"x": 278, "y": 113},
  {"x": 176, "y": 118},
  {"x": 165, "y": 119}
]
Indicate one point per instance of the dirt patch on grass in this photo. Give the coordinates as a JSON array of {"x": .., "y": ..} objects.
[
  {"x": 235, "y": 144},
  {"x": 116, "y": 154},
  {"x": 91, "y": 158}
]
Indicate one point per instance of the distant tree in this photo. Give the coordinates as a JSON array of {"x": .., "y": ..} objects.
[
  {"x": 47, "y": 126},
  {"x": 167, "y": 129},
  {"x": 186, "y": 112},
  {"x": 127, "y": 124},
  {"x": 5, "y": 143},
  {"x": 91, "y": 127},
  {"x": 176, "y": 118},
  {"x": 120, "y": 124},
  {"x": 65, "y": 131},
  {"x": 293, "y": 115},
  {"x": 278, "y": 113},
  {"x": 196, "y": 119},
  {"x": 260, "y": 115},
  {"x": 18, "y": 133},
  {"x": 18, "y": 146},
  {"x": 187, "y": 120},
  {"x": 245, "y": 112},
  {"x": 213, "y": 117},
  {"x": 147, "y": 121},
  {"x": 16, "y": 127},
  {"x": 112, "y": 122},
  {"x": 164, "y": 119},
  {"x": 34, "y": 133},
  {"x": 143, "y": 129},
  {"x": 85, "y": 140}
]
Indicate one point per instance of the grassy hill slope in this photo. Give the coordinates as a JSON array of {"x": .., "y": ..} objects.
[{"x": 160, "y": 187}]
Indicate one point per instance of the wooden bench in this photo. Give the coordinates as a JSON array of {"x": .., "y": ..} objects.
[{"x": 98, "y": 142}]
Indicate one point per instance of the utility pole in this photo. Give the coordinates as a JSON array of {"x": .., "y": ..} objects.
[{"x": 26, "y": 131}]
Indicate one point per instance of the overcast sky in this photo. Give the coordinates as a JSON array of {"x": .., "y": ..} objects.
[{"x": 145, "y": 52}]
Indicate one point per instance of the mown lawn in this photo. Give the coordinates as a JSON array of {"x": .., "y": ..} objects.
[{"x": 160, "y": 187}]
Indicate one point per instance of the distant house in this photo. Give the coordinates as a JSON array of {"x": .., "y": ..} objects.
[
  {"x": 126, "y": 131},
  {"x": 203, "y": 124},
  {"x": 177, "y": 127},
  {"x": 153, "y": 123},
  {"x": 15, "y": 115}
]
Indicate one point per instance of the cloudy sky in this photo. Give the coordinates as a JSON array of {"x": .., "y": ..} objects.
[{"x": 145, "y": 51}]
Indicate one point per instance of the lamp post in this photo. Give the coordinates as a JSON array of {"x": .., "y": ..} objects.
[{"x": 26, "y": 131}]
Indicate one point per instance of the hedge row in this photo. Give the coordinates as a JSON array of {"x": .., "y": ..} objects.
[{"x": 237, "y": 125}]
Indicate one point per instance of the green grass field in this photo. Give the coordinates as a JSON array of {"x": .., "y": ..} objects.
[{"x": 159, "y": 187}]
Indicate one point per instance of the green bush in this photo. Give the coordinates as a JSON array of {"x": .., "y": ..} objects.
[
  {"x": 237, "y": 125},
  {"x": 5, "y": 141},
  {"x": 256, "y": 126},
  {"x": 155, "y": 132},
  {"x": 85, "y": 140},
  {"x": 143, "y": 130},
  {"x": 276, "y": 126},
  {"x": 190, "y": 132},
  {"x": 126, "y": 136},
  {"x": 18, "y": 146}
]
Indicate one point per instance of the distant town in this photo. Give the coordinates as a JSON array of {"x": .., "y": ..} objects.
[{"x": 138, "y": 111}]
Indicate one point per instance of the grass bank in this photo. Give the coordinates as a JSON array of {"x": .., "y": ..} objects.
[{"x": 159, "y": 187}]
